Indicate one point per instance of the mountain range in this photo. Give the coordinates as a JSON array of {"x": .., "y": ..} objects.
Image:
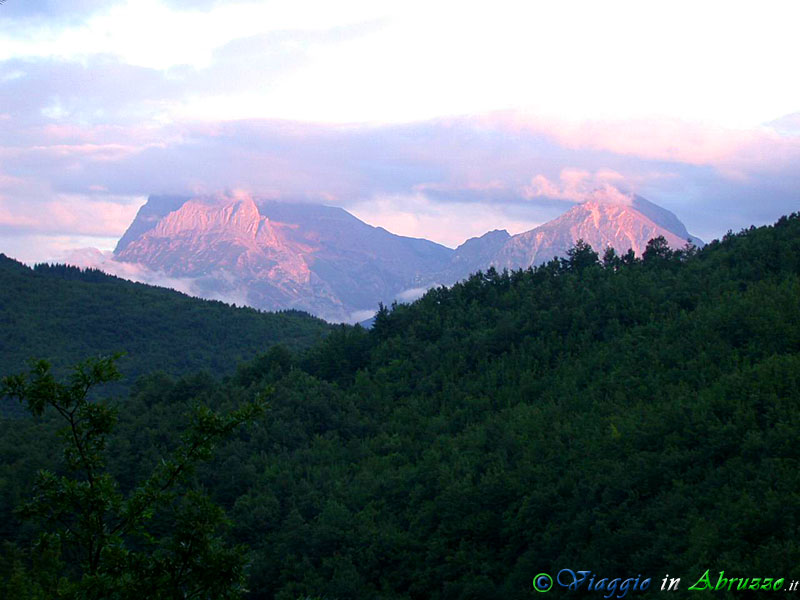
[{"x": 321, "y": 259}]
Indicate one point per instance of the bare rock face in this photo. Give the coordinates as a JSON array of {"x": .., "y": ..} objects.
[
  {"x": 279, "y": 255},
  {"x": 203, "y": 235},
  {"x": 600, "y": 223}
]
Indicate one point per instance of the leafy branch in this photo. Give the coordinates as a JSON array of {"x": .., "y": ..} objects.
[{"x": 100, "y": 542}]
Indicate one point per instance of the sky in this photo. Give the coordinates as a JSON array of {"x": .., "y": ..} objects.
[{"x": 439, "y": 119}]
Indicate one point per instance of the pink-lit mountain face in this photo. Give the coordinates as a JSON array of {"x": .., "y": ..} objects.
[
  {"x": 621, "y": 225},
  {"x": 277, "y": 255}
]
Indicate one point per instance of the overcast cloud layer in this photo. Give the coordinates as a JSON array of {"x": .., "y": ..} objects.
[{"x": 438, "y": 122}]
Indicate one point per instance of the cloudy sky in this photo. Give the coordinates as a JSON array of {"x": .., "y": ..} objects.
[{"x": 433, "y": 119}]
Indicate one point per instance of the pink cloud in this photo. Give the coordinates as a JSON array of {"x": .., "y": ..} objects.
[
  {"x": 9, "y": 181},
  {"x": 94, "y": 151},
  {"x": 494, "y": 185},
  {"x": 9, "y": 219},
  {"x": 78, "y": 215},
  {"x": 87, "y": 136},
  {"x": 732, "y": 151},
  {"x": 450, "y": 223},
  {"x": 577, "y": 185}
]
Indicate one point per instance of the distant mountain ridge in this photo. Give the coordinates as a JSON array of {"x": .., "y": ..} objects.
[
  {"x": 279, "y": 255},
  {"x": 600, "y": 223},
  {"x": 323, "y": 260}
]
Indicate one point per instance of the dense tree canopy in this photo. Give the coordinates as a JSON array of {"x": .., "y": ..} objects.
[
  {"x": 65, "y": 314},
  {"x": 624, "y": 415},
  {"x": 98, "y": 542}
]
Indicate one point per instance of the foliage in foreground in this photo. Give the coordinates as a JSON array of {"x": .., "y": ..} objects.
[{"x": 160, "y": 540}]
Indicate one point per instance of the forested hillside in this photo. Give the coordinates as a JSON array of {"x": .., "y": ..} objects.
[
  {"x": 66, "y": 314},
  {"x": 621, "y": 415}
]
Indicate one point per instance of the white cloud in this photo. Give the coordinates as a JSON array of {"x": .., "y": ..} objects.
[
  {"x": 104, "y": 261},
  {"x": 360, "y": 315},
  {"x": 619, "y": 59},
  {"x": 448, "y": 223},
  {"x": 75, "y": 214},
  {"x": 149, "y": 33},
  {"x": 411, "y": 294},
  {"x": 32, "y": 248},
  {"x": 577, "y": 185}
]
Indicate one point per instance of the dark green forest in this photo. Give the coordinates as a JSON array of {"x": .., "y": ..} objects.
[
  {"x": 66, "y": 314},
  {"x": 632, "y": 416}
]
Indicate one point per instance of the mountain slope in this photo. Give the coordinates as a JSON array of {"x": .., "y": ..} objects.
[
  {"x": 475, "y": 254},
  {"x": 65, "y": 314},
  {"x": 278, "y": 255},
  {"x": 600, "y": 223},
  {"x": 321, "y": 259},
  {"x": 514, "y": 424},
  {"x": 510, "y": 425}
]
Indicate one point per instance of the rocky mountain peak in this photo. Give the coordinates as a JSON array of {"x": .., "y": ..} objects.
[
  {"x": 234, "y": 215},
  {"x": 622, "y": 222},
  {"x": 277, "y": 255}
]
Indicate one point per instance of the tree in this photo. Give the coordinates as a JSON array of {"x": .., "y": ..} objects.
[
  {"x": 580, "y": 256},
  {"x": 657, "y": 251},
  {"x": 688, "y": 251},
  {"x": 382, "y": 323},
  {"x": 95, "y": 541},
  {"x": 629, "y": 258},
  {"x": 611, "y": 259}
]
